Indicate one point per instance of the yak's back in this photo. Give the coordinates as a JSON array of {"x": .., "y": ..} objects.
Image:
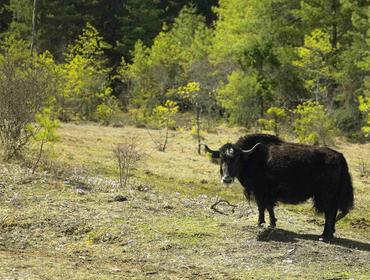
[{"x": 248, "y": 141}]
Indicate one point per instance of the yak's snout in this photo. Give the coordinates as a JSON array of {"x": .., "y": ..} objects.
[{"x": 227, "y": 180}]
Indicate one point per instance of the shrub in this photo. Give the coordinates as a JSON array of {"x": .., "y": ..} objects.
[
  {"x": 127, "y": 155},
  {"x": 275, "y": 119},
  {"x": 365, "y": 108},
  {"x": 43, "y": 131},
  {"x": 26, "y": 85},
  {"x": 163, "y": 117},
  {"x": 244, "y": 97},
  {"x": 107, "y": 112},
  {"x": 313, "y": 125}
]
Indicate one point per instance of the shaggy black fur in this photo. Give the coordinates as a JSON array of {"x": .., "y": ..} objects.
[{"x": 291, "y": 173}]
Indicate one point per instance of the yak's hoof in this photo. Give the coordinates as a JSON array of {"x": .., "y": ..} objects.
[
  {"x": 325, "y": 238},
  {"x": 261, "y": 225}
]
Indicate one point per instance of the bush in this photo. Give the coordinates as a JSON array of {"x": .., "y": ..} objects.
[
  {"x": 163, "y": 117},
  {"x": 107, "y": 113},
  {"x": 313, "y": 125},
  {"x": 275, "y": 119},
  {"x": 365, "y": 108},
  {"x": 43, "y": 131},
  {"x": 25, "y": 87},
  {"x": 127, "y": 155},
  {"x": 244, "y": 97}
]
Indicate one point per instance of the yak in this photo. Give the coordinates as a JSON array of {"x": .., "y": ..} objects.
[{"x": 273, "y": 170}]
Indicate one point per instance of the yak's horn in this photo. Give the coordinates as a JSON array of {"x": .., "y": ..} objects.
[{"x": 252, "y": 150}]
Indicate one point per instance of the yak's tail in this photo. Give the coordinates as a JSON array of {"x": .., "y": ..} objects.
[{"x": 345, "y": 199}]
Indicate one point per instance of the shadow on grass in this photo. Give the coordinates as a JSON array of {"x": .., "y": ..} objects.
[{"x": 282, "y": 235}]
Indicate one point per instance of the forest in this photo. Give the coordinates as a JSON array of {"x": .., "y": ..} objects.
[
  {"x": 256, "y": 64},
  {"x": 104, "y": 109}
]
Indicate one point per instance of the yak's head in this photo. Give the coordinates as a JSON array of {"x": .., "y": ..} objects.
[{"x": 230, "y": 157}]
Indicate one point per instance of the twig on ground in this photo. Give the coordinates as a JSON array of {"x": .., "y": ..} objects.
[{"x": 213, "y": 206}]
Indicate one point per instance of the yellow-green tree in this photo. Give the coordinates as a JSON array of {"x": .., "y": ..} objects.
[
  {"x": 274, "y": 119},
  {"x": 199, "y": 100},
  {"x": 86, "y": 80},
  {"x": 312, "y": 124},
  {"x": 316, "y": 71},
  {"x": 43, "y": 131},
  {"x": 27, "y": 85},
  {"x": 163, "y": 117}
]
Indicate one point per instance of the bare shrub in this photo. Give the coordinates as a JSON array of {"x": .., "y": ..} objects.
[
  {"x": 127, "y": 156},
  {"x": 363, "y": 167},
  {"x": 25, "y": 85}
]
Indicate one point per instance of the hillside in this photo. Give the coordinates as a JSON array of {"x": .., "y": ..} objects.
[{"x": 64, "y": 222}]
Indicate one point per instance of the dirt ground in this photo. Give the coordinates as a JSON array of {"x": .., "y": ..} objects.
[{"x": 70, "y": 226}]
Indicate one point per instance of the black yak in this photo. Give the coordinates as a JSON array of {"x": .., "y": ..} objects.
[{"x": 273, "y": 170}]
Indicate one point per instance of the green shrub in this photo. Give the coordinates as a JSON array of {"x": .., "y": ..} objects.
[
  {"x": 365, "y": 108},
  {"x": 163, "y": 117},
  {"x": 107, "y": 113},
  {"x": 275, "y": 119},
  {"x": 244, "y": 97},
  {"x": 313, "y": 125}
]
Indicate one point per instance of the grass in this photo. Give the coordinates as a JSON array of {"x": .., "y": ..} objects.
[{"x": 166, "y": 229}]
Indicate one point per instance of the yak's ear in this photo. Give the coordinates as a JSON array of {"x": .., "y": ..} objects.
[
  {"x": 214, "y": 154},
  {"x": 251, "y": 151}
]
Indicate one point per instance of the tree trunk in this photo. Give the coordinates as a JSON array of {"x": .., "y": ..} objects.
[
  {"x": 198, "y": 112},
  {"x": 33, "y": 26}
]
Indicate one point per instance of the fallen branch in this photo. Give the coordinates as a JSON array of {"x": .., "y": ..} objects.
[{"x": 213, "y": 206}]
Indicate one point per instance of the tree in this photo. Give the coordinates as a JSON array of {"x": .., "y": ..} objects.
[
  {"x": 313, "y": 125},
  {"x": 243, "y": 98},
  {"x": 20, "y": 25},
  {"x": 275, "y": 119},
  {"x": 86, "y": 79},
  {"x": 167, "y": 65},
  {"x": 43, "y": 131},
  {"x": 319, "y": 75},
  {"x": 256, "y": 39},
  {"x": 163, "y": 117},
  {"x": 199, "y": 100},
  {"x": 26, "y": 86}
]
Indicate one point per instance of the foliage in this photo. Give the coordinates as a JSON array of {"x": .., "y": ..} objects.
[
  {"x": 365, "y": 107},
  {"x": 199, "y": 99},
  {"x": 313, "y": 61},
  {"x": 107, "y": 113},
  {"x": 26, "y": 86},
  {"x": 258, "y": 38},
  {"x": 20, "y": 25},
  {"x": 167, "y": 64},
  {"x": 43, "y": 131},
  {"x": 86, "y": 83},
  {"x": 163, "y": 117},
  {"x": 274, "y": 120},
  {"x": 243, "y": 98},
  {"x": 256, "y": 54},
  {"x": 313, "y": 125}
]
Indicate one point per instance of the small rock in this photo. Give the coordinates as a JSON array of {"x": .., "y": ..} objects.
[
  {"x": 81, "y": 191},
  {"x": 120, "y": 198},
  {"x": 143, "y": 188}
]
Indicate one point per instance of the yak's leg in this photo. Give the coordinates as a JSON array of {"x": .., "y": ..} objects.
[
  {"x": 334, "y": 219},
  {"x": 329, "y": 228},
  {"x": 272, "y": 216},
  {"x": 261, "y": 213},
  {"x": 247, "y": 195}
]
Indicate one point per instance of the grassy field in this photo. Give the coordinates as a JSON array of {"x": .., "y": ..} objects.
[{"x": 65, "y": 224}]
